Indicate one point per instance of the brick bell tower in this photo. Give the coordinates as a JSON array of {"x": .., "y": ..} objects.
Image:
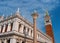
[{"x": 48, "y": 26}]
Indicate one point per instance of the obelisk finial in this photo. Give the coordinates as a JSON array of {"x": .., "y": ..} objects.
[{"x": 17, "y": 10}]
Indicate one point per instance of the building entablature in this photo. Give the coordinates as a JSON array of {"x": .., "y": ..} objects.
[
  {"x": 12, "y": 33},
  {"x": 15, "y": 33}
]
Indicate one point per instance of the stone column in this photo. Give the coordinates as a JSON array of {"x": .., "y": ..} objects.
[
  {"x": 34, "y": 15},
  {"x": 26, "y": 30},
  {"x": 15, "y": 26},
  {"x": 13, "y": 40},
  {"x": 0, "y": 28},
  {"x": 29, "y": 32},
  {"x": 4, "y": 28},
  {"x": 5, "y": 41},
  {"x": 22, "y": 26},
  {"x": 0, "y": 41},
  {"x": 9, "y": 27}
]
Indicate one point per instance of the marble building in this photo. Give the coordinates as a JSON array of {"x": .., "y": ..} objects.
[{"x": 16, "y": 29}]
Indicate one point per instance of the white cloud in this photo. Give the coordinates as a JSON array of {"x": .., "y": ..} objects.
[{"x": 27, "y": 7}]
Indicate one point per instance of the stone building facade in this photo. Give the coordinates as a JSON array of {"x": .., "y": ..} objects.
[{"x": 16, "y": 29}]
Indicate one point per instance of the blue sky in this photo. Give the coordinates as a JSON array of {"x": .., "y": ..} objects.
[{"x": 28, "y": 6}]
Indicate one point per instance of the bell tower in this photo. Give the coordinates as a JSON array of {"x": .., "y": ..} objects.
[{"x": 48, "y": 26}]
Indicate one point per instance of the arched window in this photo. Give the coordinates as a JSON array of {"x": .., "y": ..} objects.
[
  {"x": 23, "y": 42},
  {"x": 31, "y": 33},
  {"x": 47, "y": 21},
  {"x": 1, "y": 28},
  {"x": 8, "y": 41},
  {"x": 19, "y": 27},
  {"x": 6, "y": 27},
  {"x": 28, "y": 31},
  {"x": 2, "y": 42},
  {"x": 11, "y": 26},
  {"x": 24, "y": 30},
  {"x": 17, "y": 42}
]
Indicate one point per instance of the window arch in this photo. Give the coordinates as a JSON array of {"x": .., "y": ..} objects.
[
  {"x": 24, "y": 30},
  {"x": 23, "y": 42},
  {"x": 28, "y": 31},
  {"x": 31, "y": 32},
  {"x": 6, "y": 27},
  {"x": 2, "y": 42},
  {"x": 19, "y": 27},
  {"x": 1, "y": 28},
  {"x": 8, "y": 41},
  {"x": 11, "y": 26}
]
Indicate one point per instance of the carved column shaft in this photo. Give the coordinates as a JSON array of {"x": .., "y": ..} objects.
[{"x": 34, "y": 31}]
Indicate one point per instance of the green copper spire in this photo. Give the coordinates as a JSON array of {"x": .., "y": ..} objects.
[{"x": 47, "y": 14}]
